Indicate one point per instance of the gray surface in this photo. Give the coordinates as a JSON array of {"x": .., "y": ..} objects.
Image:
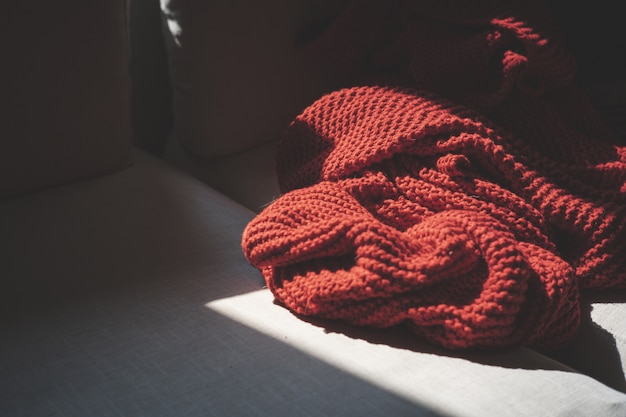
[{"x": 146, "y": 307}]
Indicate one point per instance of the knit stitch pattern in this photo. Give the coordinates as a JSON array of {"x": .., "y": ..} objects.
[{"x": 474, "y": 215}]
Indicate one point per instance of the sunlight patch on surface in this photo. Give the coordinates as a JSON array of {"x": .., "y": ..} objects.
[
  {"x": 424, "y": 378},
  {"x": 368, "y": 361}
]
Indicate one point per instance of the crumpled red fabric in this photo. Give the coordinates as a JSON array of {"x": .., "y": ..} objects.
[{"x": 467, "y": 189}]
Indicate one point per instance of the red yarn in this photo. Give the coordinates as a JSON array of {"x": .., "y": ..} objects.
[{"x": 474, "y": 214}]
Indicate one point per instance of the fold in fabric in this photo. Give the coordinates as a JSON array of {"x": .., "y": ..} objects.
[{"x": 474, "y": 215}]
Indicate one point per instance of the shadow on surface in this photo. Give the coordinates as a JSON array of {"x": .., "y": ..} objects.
[
  {"x": 594, "y": 350},
  {"x": 158, "y": 354}
]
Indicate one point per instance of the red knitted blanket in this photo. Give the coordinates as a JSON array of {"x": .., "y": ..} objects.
[{"x": 467, "y": 188}]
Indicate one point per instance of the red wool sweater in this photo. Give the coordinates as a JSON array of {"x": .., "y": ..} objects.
[{"x": 467, "y": 189}]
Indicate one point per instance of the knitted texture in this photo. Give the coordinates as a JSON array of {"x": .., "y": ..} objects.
[{"x": 469, "y": 203}]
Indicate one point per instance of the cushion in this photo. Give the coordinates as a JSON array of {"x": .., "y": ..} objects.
[
  {"x": 65, "y": 92},
  {"x": 239, "y": 74}
]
